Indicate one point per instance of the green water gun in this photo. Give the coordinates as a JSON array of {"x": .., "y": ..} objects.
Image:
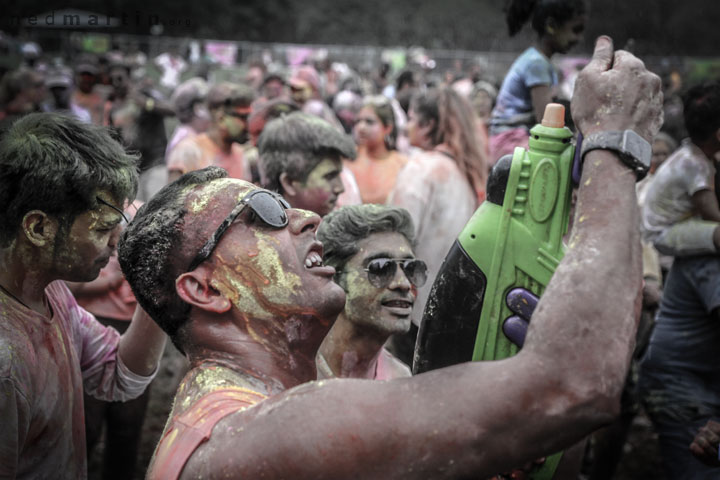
[{"x": 504, "y": 257}]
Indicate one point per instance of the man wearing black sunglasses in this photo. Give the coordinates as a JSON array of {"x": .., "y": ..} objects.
[
  {"x": 240, "y": 286},
  {"x": 371, "y": 248}
]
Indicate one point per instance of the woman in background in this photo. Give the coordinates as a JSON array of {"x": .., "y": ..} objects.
[
  {"x": 441, "y": 185},
  {"x": 378, "y": 163}
]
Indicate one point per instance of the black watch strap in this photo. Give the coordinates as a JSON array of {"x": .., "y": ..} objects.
[{"x": 633, "y": 150}]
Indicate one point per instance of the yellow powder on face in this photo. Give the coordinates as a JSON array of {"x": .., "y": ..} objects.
[
  {"x": 260, "y": 280},
  {"x": 209, "y": 191},
  {"x": 305, "y": 213},
  {"x": 357, "y": 287},
  {"x": 282, "y": 283}
]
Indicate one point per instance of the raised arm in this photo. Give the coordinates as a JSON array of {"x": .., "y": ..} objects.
[
  {"x": 476, "y": 419},
  {"x": 142, "y": 345}
]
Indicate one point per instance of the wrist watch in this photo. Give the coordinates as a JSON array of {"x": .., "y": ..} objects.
[{"x": 633, "y": 150}]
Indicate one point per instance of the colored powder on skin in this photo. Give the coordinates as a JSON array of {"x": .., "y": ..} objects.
[
  {"x": 210, "y": 191},
  {"x": 357, "y": 287}
]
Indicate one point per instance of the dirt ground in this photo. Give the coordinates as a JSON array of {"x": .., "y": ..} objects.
[{"x": 640, "y": 461}]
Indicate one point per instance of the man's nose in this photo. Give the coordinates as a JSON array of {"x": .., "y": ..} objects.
[
  {"x": 115, "y": 236},
  {"x": 300, "y": 221},
  {"x": 337, "y": 185},
  {"x": 400, "y": 281}
]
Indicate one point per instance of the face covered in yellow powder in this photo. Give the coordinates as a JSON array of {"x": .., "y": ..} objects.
[{"x": 268, "y": 273}]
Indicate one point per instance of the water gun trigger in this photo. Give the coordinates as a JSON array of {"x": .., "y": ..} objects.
[{"x": 521, "y": 302}]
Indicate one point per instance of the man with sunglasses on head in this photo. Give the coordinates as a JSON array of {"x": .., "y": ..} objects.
[
  {"x": 300, "y": 157},
  {"x": 229, "y": 105},
  {"x": 371, "y": 248},
  {"x": 62, "y": 186},
  {"x": 238, "y": 282}
]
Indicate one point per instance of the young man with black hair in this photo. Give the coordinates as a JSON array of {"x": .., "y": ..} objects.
[
  {"x": 301, "y": 158},
  {"x": 371, "y": 248},
  {"x": 62, "y": 188}
]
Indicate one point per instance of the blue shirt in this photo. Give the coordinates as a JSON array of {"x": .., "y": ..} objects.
[
  {"x": 513, "y": 107},
  {"x": 687, "y": 334}
]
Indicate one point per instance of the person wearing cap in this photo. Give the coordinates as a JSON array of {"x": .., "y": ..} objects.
[
  {"x": 188, "y": 100},
  {"x": 60, "y": 85},
  {"x": 371, "y": 248},
  {"x": 229, "y": 105},
  {"x": 85, "y": 95}
]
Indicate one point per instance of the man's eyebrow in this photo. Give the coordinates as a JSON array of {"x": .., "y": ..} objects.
[
  {"x": 372, "y": 257},
  {"x": 116, "y": 220},
  {"x": 122, "y": 214}
]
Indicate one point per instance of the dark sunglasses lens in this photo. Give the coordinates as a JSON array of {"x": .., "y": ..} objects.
[
  {"x": 268, "y": 209},
  {"x": 381, "y": 272},
  {"x": 416, "y": 271}
]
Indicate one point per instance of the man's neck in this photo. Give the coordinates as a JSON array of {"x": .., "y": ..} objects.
[
  {"x": 265, "y": 356},
  {"x": 350, "y": 351},
  {"x": 224, "y": 145},
  {"x": 23, "y": 282},
  {"x": 543, "y": 46}
]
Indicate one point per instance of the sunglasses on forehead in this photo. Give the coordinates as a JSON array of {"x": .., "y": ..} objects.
[
  {"x": 381, "y": 271},
  {"x": 265, "y": 205}
]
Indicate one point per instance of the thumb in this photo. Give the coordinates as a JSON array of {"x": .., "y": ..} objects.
[{"x": 603, "y": 55}]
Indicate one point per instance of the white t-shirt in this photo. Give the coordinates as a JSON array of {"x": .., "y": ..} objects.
[{"x": 669, "y": 196}]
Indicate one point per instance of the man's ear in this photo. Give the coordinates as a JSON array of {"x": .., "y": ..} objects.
[
  {"x": 194, "y": 288},
  {"x": 287, "y": 185},
  {"x": 39, "y": 228}
]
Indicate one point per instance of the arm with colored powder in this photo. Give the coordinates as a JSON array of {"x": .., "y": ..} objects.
[
  {"x": 142, "y": 345},
  {"x": 115, "y": 368}
]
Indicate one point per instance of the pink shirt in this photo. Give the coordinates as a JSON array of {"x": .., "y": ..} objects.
[{"x": 45, "y": 364}]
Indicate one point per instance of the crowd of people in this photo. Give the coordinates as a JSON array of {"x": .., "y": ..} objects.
[{"x": 285, "y": 232}]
